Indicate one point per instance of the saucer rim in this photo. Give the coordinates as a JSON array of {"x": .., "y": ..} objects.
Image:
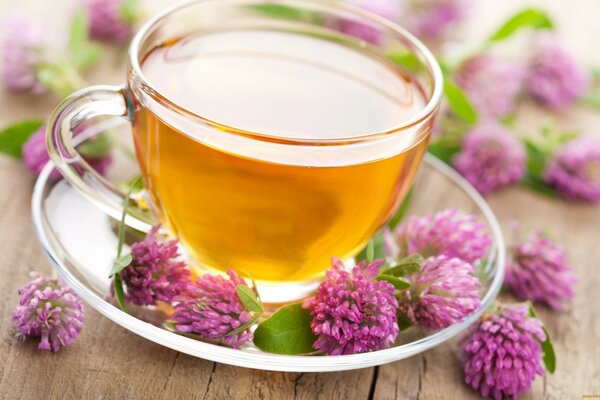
[{"x": 256, "y": 359}]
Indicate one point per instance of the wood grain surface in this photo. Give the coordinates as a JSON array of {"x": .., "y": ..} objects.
[{"x": 109, "y": 362}]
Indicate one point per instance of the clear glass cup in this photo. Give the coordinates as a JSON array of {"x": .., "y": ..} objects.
[{"x": 321, "y": 180}]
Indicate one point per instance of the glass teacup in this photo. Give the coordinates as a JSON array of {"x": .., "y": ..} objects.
[{"x": 271, "y": 135}]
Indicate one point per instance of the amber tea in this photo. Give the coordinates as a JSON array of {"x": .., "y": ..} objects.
[{"x": 266, "y": 209}]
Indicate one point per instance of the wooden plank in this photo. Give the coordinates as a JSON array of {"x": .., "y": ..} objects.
[{"x": 237, "y": 383}]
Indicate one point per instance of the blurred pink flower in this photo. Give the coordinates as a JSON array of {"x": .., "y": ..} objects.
[
  {"x": 491, "y": 83},
  {"x": 389, "y": 9},
  {"x": 431, "y": 19},
  {"x": 555, "y": 79},
  {"x": 490, "y": 158},
  {"x": 574, "y": 169},
  {"x": 23, "y": 50},
  {"x": 107, "y": 20},
  {"x": 539, "y": 272},
  {"x": 36, "y": 156},
  {"x": 447, "y": 233}
]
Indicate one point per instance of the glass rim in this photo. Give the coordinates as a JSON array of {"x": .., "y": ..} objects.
[{"x": 413, "y": 44}]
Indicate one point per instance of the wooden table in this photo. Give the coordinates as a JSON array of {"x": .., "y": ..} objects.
[{"x": 107, "y": 361}]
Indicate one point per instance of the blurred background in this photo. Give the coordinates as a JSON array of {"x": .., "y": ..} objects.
[{"x": 575, "y": 21}]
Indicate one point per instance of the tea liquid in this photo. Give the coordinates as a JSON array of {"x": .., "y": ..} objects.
[{"x": 273, "y": 221}]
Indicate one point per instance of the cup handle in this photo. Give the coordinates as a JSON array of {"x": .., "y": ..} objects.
[{"x": 81, "y": 106}]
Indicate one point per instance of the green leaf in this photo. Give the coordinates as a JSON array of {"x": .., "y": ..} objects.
[
  {"x": 98, "y": 147},
  {"x": 406, "y": 266},
  {"x": 121, "y": 235},
  {"x": 445, "y": 67},
  {"x": 401, "y": 212},
  {"x": 50, "y": 77},
  {"x": 412, "y": 259},
  {"x": 408, "y": 61},
  {"x": 538, "y": 185},
  {"x": 136, "y": 183},
  {"x": 547, "y": 346},
  {"x": 278, "y": 11},
  {"x": 78, "y": 31},
  {"x": 249, "y": 298},
  {"x": 459, "y": 103},
  {"x": 121, "y": 231},
  {"x": 482, "y": 272},
  {"x": 566, "y": 136},
  {"x": 170, "y": 325},
  {"x": 592, "y": 100},
  {"x": 287, "y": 331},
  {"x": 398, "y": 283},
  {"x": 88, "y": 57},
  {"x": 245, "y": 326},
  {"x": 443, "y": 150},
  {"x": 123, "y": 215},
  {"x": 13, "y": 137},
  {"x": 119, "y": 292},
  {"x": 120, "y": 263},
  {"x": 130, "y": 10},
  {"x": 378, "y": 248},
  {"x": 401, "y": 270},
  {"x": 62, "y": 78},
  {"x": 530, "y": 18},
  {"x": 536, "y": 159},
  {"x": 370, "y": 251},
  {"x": 82, "y": 52},
  {"x": 58, "y": 79},
  {"x": 403, "y": 321},
  {"x": 549, "y": 355},
  {"x": 509, "y": 120}
]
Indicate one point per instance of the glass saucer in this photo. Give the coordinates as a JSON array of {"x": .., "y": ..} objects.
[{"x": 80, "y": 241}]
